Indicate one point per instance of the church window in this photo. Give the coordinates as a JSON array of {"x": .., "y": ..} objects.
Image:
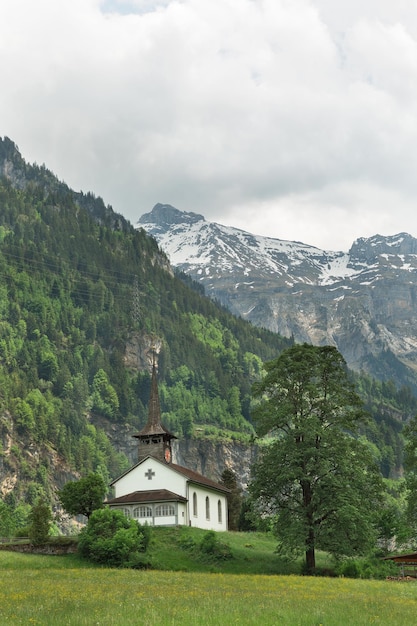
[
  {"x": 219, "y": 511},
  {"x": 195, "y": 504},
  {"x": 142, "y": 511},
  {"x": 164, "y": 510},
  {"x": 207, "y": 508}
]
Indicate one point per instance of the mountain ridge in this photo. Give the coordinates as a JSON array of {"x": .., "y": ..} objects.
[{"x": 362, "y": 301}]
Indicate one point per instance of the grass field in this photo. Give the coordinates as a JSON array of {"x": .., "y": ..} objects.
[{"x": 64, "y": 591}]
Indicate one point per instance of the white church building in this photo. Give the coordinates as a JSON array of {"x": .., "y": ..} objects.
[{"x": 160, "y": 493}]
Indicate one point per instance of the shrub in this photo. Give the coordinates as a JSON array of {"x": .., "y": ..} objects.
[
  {"x": 349, "y": 569},
  {"x": 366, "y": 568},
  {"x": 146, "y": 536},
  {"x": 187, "y": 543},
  {"x": 138, "y": 561},
  {"x": 111, "y": 539},
  {"x": 213, "y": 548}
]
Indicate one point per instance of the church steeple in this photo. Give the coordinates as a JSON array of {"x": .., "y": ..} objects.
[
  {"x": 154, "y": 439},
  {"x": 153, "y": 425}
]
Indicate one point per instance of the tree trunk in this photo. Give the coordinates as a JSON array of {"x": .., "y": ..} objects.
[
  {"x": 310, "y": 539},
  {"x": 310, "y": 559}
]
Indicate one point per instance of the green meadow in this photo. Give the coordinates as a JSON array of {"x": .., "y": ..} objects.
[{"x": 59, "y": 591}]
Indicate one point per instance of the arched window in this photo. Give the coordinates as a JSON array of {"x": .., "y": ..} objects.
[
  {"x": 219, "y": 511},
  {"x": 142, "y": 511},
  {"x": 195, "y": 504},
  {"x": 164, "y": 510},
  {"x": 126, "y": 512},
  {"x": 207, "y": 508}
]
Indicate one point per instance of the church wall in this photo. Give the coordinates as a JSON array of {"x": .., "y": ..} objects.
[
  {"x": 161, "y": 476},
  {"x": 182, "y": 514},
  {"x": 164, "y": 521},
  {"x": 152, "y": 474},
  {"x": 207, "y": 517}
]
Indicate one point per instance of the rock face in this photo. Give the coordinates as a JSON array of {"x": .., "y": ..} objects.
[
  {"x": 211, "y": 458},
  {"x": 200, "y": 455},
  {"x": 20, "y": 452},
  {"x": 362, "y": 301}
]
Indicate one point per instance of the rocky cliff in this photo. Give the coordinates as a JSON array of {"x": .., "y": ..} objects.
[{"x": 207, "y": 457}]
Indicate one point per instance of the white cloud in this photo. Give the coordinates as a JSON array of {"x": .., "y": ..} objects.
[{"x": 242, "y": 110}]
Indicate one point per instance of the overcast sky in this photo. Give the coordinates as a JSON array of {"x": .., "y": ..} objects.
[{"x": 290, "y": 118}]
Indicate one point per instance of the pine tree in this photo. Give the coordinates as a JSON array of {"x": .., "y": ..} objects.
[{"x": 40, "y": 519}]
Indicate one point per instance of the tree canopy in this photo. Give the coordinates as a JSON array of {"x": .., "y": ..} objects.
[
  {"x": 314, "y": 477},
  {"x": 82, "y": 497},
  {"x": 40, "y": 519}
]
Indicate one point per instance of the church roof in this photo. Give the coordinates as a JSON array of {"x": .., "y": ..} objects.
[
  {"x": 154, "y": 425},
  {"x": 195, "y": 477},
  {"x": 153, "y": 495}
]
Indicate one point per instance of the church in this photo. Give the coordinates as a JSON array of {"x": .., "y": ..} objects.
[{"x": 158, "y": 492}]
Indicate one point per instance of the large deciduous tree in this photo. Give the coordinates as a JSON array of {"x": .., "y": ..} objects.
[
  {"x": 83, "y": 496},
  {"x": 314, "y": 476}
]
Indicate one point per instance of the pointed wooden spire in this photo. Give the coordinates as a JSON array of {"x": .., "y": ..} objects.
[{"x": 154, "y": 425}]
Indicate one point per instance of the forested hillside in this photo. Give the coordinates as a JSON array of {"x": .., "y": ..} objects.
[
  {"x": 83, "y": 298},
  {"x": 79, "y": 286}
]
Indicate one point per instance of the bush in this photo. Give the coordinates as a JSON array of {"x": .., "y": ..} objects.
[
  {"x": 349, "y": 569},
  {"x": 111, "y": 539},
  {"x": 367, "y": 568},
  {"x": 138, "y": 561},
  {"x": 146, "y": 533},
  {"x": 213, "y": 548},
  {"x": 209, "y": 547},
  {"x": 187, "y": 543}
]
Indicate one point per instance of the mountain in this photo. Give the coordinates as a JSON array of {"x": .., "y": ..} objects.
[
  {"x": 86, "y": 300},
  {"x": 362, "y": 301}
]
